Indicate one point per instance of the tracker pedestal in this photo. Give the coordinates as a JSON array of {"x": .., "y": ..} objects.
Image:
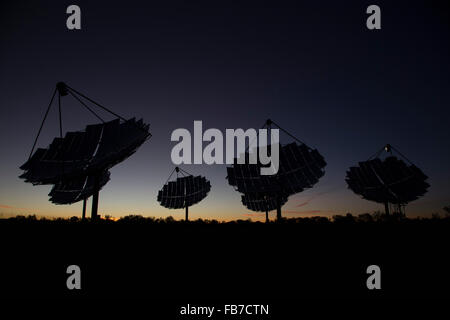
[
  {"x": 83, "y": 216},
  {"x": 94, "y": 211}
]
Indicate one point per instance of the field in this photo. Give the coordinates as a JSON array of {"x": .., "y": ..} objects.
[{"x": 206, "y": 260}]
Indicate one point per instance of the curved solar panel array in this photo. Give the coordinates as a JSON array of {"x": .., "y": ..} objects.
[
  {"x": 387, "y": 181},
  {"x": 77, "y": 189},
  {"x": 300, "y": 167},
  {"x": 74, "y": 162},
  {"x": 184, "y": 192}
]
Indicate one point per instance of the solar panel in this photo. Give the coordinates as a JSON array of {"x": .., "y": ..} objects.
[
  {"x": 59, "y": 161},
  {"x": 184, "y": 192},
  {"x": 387, "y": 181},
  {"x": 190, "y": 186},
  {"x": 74, "y": 190},
  {"x": 109, "y": 139},
  {"x": 90, "y": 142},
  {"x": 292, "y": 176}
]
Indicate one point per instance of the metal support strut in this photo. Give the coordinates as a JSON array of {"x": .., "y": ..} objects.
[
  {"x": 94, "y": 211},
  {"x": 83, "y": 216}
]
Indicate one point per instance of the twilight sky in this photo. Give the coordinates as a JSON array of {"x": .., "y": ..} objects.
[{"x": 315, "y": 69}]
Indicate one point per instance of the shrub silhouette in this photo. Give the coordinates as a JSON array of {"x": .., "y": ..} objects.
[
  {"x": 447, "y": 210},
  {"x": 134, "y": 219}
]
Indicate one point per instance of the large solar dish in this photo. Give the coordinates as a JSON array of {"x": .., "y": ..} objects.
[
  {"x": 300, "y": 168},
  {"x": 387, "y": 181},
  {"x": 77, "y": 163}
]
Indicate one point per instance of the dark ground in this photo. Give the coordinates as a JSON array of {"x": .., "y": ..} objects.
[{"x": 240, "y": 261}]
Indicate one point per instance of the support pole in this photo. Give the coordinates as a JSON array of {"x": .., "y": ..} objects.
[
  {"x": 267, "y": 206},
  {"x": 84, "y": 209},
  {"x": 94, "y": 211},
  {"x": 400, "y": 210},
  {"x": 187, "y": 214},
  {"x": 278, "y": 209},
  {"x": 386, "y": 208}
]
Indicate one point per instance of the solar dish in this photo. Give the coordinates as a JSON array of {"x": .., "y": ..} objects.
[
  {"x": 99, "y": 147},
  {"x": 300, "y": 167},
  {"x": 388, "y": 181},
  {"x": 77, "y": 164},
  {"x": 183, "y": 192}
]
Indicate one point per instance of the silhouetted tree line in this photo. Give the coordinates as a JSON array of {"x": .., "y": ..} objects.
[
  {"x": 447, "y": 210},
  {"x": 348, "y": 219}
]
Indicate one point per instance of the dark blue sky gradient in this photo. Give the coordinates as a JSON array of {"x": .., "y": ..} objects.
[{"x": 313, "y": 68}]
